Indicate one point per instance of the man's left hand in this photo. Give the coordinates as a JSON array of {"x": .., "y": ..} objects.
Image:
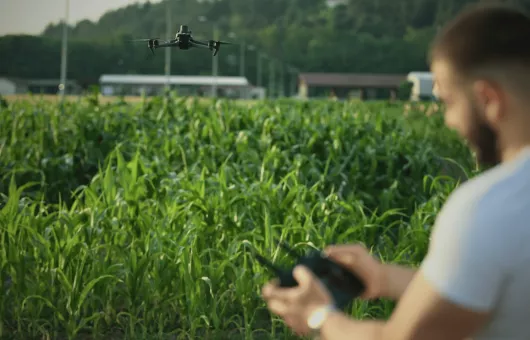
[{"x": 296, "y": 304}]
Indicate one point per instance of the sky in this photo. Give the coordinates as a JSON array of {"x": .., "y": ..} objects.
[{"x": 32, "y": 16}]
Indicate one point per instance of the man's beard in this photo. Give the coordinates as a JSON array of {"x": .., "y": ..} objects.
[{"x": 485, "y": 141}]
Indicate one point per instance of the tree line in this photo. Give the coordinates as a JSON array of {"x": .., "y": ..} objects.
[{"x": 364, "y": 36}]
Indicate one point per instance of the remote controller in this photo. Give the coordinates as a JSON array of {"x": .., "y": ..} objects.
[{"x": 343, "y": 285}]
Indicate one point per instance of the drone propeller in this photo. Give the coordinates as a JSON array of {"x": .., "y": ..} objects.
[
  {"x": 148, "y": 39},
  {"x": 151, "y": 43},
  {"x": 216, "y": 44}
]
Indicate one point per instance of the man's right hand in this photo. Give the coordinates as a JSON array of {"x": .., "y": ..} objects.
[
  {"x": 381, "y": 280},
  {"x": 358, "y": 260}
]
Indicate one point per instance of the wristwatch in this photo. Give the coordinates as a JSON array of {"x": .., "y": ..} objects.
[{"x": 317, "y": 319}]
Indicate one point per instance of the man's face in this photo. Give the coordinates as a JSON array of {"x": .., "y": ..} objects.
[{"x": 464, "y": 115}]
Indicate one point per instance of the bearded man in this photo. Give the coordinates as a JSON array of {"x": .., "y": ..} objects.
[{"x": 475, "y": 280}]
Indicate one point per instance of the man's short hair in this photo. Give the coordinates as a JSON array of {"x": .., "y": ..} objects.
[{"x": 485, "y": 38}]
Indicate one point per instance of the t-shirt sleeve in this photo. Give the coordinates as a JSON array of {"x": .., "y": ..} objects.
[{"x": 468, "y": 254}]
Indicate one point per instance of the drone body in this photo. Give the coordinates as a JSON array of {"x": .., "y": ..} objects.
[{"x": 184, "y": 41}]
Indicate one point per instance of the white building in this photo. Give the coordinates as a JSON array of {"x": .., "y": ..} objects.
[
  {"x": 136, "y": 84},
  {"x": 333, "y": 3},
  {"x": 422, "y": 85},
  {"x": 10, "y": 86}
]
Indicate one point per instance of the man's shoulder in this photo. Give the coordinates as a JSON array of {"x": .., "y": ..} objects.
[
  {"x": 493, "y": 190},
  {"x": 478, "y": 234},
  {"x": 494, "y": 205}
]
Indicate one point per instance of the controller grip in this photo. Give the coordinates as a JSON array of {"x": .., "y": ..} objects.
[
  {"x": 343, "y": 285},
  {"x": 345, "y": 280},
  {"x": 287, "y": 279}
]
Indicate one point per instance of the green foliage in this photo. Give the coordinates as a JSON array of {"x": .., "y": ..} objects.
[
  {"x": 3, "y": 102},
  {"x": 167, "y": 194},
  {"x": 405, "y": 90}
]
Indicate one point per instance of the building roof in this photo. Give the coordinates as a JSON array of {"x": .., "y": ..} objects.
[
  {"x": 49, "y": 82},
  {"x": 15, "y": 80},
  {"x": 141, "y": 79},
  {"x": 352, "y": 79},
  {"x": 333, "y": 3},
  {"x": 38, "y": 82},
  {"x": 420, "y": 75}
]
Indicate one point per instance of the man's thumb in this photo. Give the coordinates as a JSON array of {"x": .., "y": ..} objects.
[
  {"x": 302, "y": 275},
  {"x": 348, "y": 260}
]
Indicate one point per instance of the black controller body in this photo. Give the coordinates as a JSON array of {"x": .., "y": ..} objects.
[{"x": 343, "y": 285}]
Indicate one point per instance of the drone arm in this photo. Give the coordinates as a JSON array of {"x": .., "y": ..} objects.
[
  {"x": 198, "y": 43},
  {"x": 166, "y": 44}
]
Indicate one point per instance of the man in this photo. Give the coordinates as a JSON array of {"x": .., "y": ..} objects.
[{"x": 475, "y": 279}]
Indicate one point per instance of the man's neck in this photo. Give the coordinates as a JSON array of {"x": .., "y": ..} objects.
[
  {"x": 515, "y": 137},
  {"x": 512, "y": 152}
]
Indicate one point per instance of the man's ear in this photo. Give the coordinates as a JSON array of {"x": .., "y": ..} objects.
[{"x": 490, "y": 99}]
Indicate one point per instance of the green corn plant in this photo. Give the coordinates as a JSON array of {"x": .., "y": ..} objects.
[{"x": 133, "y": 221}]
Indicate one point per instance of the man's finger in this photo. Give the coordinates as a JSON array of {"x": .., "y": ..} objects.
[
  {"x": 272, "y": 292},
  {"x": 347, "y": 259},
  {"x": 278, "y": 307},
  {"x": 357, "y": 248},
  {"x": 268, "y": 290},
  {"x": 303, "y": 276}
]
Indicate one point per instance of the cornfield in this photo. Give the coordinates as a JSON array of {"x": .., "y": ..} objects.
[{"x": 138, "y": 220}]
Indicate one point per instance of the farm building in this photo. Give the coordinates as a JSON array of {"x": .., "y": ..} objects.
[
  {"x": 349, "y": 85},
  {"x": 9, "y": 86},
  {"x": 333, "y": 3},
  {"x": 129, "y": 84},
  {"x": 422, "y": 84}
]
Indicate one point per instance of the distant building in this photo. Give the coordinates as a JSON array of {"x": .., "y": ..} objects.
[
  {"x": 349, "y": 85},
  {"x": 11, "y": 85},
  {"x": 422, "y": 85},
  {"x": 333, "y": 3},
  {"x": 136, "y": 84}
]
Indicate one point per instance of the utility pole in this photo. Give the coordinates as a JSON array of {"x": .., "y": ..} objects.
[
  {"x": 168, "y": 50},
  {"x": 281, "y": 87},
  {"x": 271, "y": 78},
  {"x": 294, "y": 80},
  {"x": 64, "y": 50},
  {"x": 215, "y": 62},
  {"x": 242, "y": 59},
  {"x": 259, "y": 81}
]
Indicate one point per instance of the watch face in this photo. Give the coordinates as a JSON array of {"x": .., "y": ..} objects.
[{"x": 318, "y": 317}]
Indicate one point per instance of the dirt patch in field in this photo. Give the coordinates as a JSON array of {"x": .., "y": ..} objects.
[{"x": 72, "y": 98}]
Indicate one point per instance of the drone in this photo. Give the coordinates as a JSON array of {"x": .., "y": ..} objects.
[{"x": 184, "y": 41}]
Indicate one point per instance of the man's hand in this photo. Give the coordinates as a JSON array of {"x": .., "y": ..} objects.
[
  {"x": 358, "y": 260},
  {"x": 381, "y": 280},
  {"x": 422, "y": 313},
  {"x": 296, "y": 304}
]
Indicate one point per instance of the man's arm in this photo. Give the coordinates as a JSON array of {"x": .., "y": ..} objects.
[
  {"x": 421, "y": 314},
  {"x": 396, "y": 279},
  {"x": 458, "y": 284},
  {"x": 382, "y": 280}
]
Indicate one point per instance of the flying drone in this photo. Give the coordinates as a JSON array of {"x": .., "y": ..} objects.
[{"x": 184, "y": 41}]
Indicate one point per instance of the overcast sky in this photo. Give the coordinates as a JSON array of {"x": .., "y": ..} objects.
[{"x": 32, "y": 16}]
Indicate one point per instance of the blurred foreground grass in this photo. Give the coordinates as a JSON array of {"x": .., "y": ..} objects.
[{"x": 153, "y": 244}]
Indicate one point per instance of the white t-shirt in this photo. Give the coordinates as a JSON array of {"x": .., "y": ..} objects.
[{"x": 479, "y": 254}]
